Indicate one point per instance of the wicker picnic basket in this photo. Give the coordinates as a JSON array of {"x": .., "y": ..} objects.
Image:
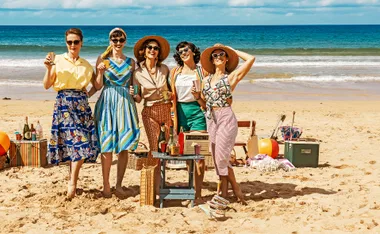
[
  {"x": 138, "y": 157},
  {"x": 147, "y": 196}
]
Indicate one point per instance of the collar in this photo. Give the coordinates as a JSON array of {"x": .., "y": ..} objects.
[{"x": 66, "y": 56}]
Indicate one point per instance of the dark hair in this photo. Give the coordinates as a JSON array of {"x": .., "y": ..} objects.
[
  {"x": 142, "y": 49},
  {"x": 75, "y": 31},
  {"x": 117, "y": 33},
  {"x": 197, "y": 52}
]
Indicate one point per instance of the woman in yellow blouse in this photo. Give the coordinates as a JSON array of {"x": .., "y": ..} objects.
[
  {"x": 151, "y": 78},
  {"x": 73, "y": 132}
]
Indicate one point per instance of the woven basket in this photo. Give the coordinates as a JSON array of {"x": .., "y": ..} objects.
[
  {"x": 137, "y": 158},
  {"x": 209, "y": 162},
  {"x": 147, "y": 196}
]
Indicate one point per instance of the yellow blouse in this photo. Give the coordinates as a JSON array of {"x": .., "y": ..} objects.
[{"x": 71, "y": 75}]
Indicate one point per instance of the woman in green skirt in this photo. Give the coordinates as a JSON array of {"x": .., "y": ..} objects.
[{"x": 187, "y": 102}]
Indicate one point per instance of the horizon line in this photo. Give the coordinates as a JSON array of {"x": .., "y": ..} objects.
[{"x": 375, "y": 24}]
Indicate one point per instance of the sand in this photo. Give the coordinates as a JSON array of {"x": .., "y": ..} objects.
[{"x": 340, "y": 196}]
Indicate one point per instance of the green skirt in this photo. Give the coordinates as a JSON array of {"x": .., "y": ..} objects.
[{"x": 190, "y": 117}]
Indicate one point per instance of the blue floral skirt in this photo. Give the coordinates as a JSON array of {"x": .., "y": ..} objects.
[{"x": 73, "y": 135}]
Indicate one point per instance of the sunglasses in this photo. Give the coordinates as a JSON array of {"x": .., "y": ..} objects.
[
  {"x": 156, "y": 48},
  {"x": 76, "y": 42},
  {"x": 185, "y": 50},
  {"x": 221, "y": 54},
  {"x": 121, "y": 40}
]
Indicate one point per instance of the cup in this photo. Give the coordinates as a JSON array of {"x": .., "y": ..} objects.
[
  {"x": 135, "y": 89},
  {"x": 106, "y": 63},
  {"x": 197, "y": 149},
  {"x": 163, "y": 147},
  {"x": 165, "y": 93},
  {"x": 52, "y": 57},
  {"x": 197, "y": 85}
]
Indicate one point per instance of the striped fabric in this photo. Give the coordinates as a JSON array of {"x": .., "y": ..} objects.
[
  {"x": 152, "y": 117},
  {"x": 115, "y": 111},
  {"x": 223, "y": 130}
]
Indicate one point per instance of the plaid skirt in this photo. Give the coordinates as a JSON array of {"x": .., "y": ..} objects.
[{"x": 73, "y": 135}]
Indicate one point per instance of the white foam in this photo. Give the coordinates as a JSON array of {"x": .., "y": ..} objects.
[
  {"x": 261, "y": 61},
  {"x": 25, "y": 83},
  {"x": 322, "y": 79}
]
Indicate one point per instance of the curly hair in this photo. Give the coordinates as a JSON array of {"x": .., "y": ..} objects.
[
  {"x": 141, "y": 56},
  {"x": 194, "y": 49}
]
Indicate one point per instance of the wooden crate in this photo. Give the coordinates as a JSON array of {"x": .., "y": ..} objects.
[
  {"x": 28, "y": 153},
  {"x": 3, "y": 159},
  {"x": 147, "y": 178}
]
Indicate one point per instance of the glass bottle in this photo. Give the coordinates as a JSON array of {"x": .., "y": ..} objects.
[
  {"x": 39, "y": 131},
  {"x": 33, "y": 133},
  {"x": 26, "y": 134},
  {"x": 181, "y": 140},
  {"x": 161, "y": 139},
  {"x": 172, "y": 144}
]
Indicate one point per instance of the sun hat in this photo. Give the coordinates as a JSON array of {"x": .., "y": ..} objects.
[
  {"x": 162, "y": 42},
  {"x": 233, "y": 58}
]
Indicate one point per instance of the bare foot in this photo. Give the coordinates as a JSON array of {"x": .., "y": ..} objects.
[
  {"x": 240, "y": 197},
  {"x": 107, "y": 191},
  {"x": 200, "y": 200},
  {"x": 119, "y": 191},
  {"x": 71, "y": 190}
]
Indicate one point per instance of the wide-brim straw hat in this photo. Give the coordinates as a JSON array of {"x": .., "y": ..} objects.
[
  {"x": 162, "y": 42},
  {"x": 206, "y": 61}
]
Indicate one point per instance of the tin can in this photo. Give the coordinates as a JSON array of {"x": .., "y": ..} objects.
[{"x": 34, "y": 136}]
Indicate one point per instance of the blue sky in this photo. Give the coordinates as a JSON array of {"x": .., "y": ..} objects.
[{"x": 188, "y": 12}]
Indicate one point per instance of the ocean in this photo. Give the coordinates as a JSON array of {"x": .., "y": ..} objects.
[{"x": 304, "y": 62}]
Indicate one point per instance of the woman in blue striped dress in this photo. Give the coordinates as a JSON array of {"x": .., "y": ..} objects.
[{"x": 115, "y": 111}]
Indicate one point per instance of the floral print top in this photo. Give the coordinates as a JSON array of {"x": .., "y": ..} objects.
[{"x": 216, "y": 95}]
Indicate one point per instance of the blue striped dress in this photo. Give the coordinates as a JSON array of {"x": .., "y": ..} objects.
[{"x": 115, "y": 112}]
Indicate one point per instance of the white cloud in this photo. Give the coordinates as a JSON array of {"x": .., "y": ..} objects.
[{"x": 104, "y": 4}]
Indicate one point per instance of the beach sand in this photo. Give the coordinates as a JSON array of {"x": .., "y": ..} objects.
[{"x": 340, "y": 196}]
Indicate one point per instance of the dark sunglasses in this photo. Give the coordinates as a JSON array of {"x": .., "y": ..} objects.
[
  {"x": 185, "y": 50},
  {"x": 221, "y": 54},
  {"x": 121, "y": 40},
  {"x": 156, "y": 48},
  {"x": 76, "y": 42}
]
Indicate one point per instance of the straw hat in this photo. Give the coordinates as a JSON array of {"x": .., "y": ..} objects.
[
  {"x": 163, "y": 43},
  {"x": 233, "y": 58}
]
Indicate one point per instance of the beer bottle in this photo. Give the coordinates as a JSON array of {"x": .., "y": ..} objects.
[
  {"x": 26, "y": 134},
  {"x": 172, "y": 145},
  {"x": 161, "y": 138},
  {"x": 33, "y": 133}
]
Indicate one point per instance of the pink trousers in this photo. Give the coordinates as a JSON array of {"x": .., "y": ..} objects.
[{"x": 223, "y": 130}]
